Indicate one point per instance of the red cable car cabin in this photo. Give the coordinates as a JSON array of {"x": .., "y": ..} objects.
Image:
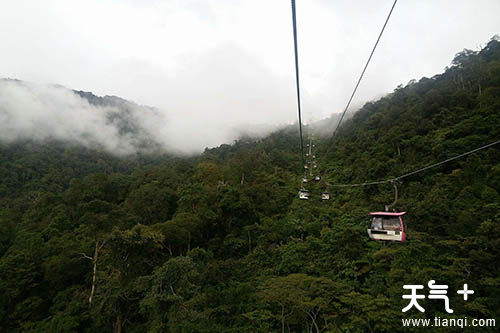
[{"x": 387, "y": 226}]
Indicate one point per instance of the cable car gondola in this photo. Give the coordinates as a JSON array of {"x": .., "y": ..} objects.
[
  {"x": 325, "y": 196},
  {"x": 387, "y": 226},
  {"x": 317, "y": 178},
  {"x": 303, "y": 194},
  {"x": 304, "y": 180}
]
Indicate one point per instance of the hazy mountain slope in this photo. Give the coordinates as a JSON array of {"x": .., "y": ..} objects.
[
  {"x": 220, "y": 242},
  {"x": 42, "y": 112}
]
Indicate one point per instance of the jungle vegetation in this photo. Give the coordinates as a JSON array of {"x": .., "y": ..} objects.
[{"x": 91, "y": 242}]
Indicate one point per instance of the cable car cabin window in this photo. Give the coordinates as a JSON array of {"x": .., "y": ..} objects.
[
  {"x": 377, "y": 223},
  {"x": 386, "y": 223},
  {"x": 392, "y": 223}
]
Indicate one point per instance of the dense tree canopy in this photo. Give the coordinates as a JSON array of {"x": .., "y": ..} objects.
[{"x": 220, "y": 243}]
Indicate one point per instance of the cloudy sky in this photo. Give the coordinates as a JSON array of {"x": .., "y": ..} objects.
[{"x": 215, "y": 66}]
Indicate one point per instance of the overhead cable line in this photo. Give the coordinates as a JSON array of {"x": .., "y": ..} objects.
[
  {"x": 391, "y": 180},
  {"x": 294, "y": 19},
  {"x": 364, "y": 69}
]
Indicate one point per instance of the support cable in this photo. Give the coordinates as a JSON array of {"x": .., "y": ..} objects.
[
  {"x": 294, "y": 19},
  {"x": 364, "y": 69},
  {"x": 416, "y": 171}
]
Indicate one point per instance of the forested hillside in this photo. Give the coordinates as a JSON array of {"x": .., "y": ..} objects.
[{"x": 90, "y": 242}]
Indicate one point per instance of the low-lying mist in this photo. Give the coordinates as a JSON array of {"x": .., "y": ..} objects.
[
  {"x": 41, "y": 112},
  {"x": 49, "y": 112}
]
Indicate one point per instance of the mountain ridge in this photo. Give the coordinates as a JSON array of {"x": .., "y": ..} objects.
[{"x": 220, "y": 242}]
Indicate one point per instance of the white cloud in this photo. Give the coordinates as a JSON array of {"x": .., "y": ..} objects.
[
  {"x": 41, "y": 112},
  {"x": 211, "y": 65}
]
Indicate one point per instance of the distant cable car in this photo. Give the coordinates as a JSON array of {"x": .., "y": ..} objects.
[
  {"x": 303, "y": 194},
  {"x": 306, "y": 167},
  {"x": 315, "y": 166},
  {"x": 325, "y": 196},
  {"x": 304, "y": 180},
  {"x": 387, "y": 226},
  {"x": 317, "y": 178}
]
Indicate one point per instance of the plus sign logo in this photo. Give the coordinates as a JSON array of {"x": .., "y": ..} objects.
[{"x": 465, "y": 292}]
